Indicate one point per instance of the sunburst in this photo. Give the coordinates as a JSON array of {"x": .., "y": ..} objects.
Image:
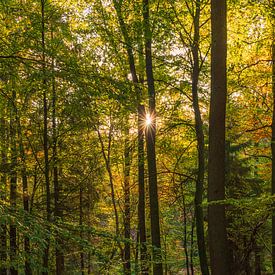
[{"x": 148, "y": 120}]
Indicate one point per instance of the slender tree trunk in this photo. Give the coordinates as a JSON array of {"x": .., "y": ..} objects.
[
  {"x": 110, "y": 174},
  {"x": 23, "y": 169},
  {"x": 136, "y": 271},
  {"x": 141, "y": 119},
  {"x": 127, "y": 214},
  {"x": 141, "y": 192},
  {"x": 165, "y": 256},
  {"x": 200, "y": 144},
  {"x": 35, "y": 184},
  {"x": 219, "y": 256},
  {"x": 59, "y": 256},
  {"x": 13, "y": 185},
  {"x": 150, "y": 141},
  {"x": 185, "y": 242},
  {"x": 45, "y": 136},
  {"x": 192, "y": 246},
  {"x": 89, "y": 267},
  {"x": 273, "y": 138},
  {"x": 3, "y": 196},
  {"x": 82, "y": 264}
]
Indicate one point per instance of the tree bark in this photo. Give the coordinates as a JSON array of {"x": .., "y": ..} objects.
[
  {"x": 185, "y": 235},
  {"x": 150, "y": 141},
  {"x": 141, "y": 119},
  {"x": 82, "y": 263},
  {"x": 273, "y": 135},
  {"x": 192, "y": 246},
  {"x": 219, "y": 256},
  {"x": 90, "y": 264},
  {"x": 24, "y": 176},
  {"x": 45, "y": 136},
  {"x": 59, "y": 256},
  {"x": 200, "y": 144},
  {"x": 141, "y": 192},
  {"x": 3, "y": 195},
  {"x": 257, "y": 252},
  {"x": 13, "y": 185},
  {"x": 127, "y": 209}
]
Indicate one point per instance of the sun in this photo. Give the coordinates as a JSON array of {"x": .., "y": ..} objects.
[{"x": 148, "y": 120}]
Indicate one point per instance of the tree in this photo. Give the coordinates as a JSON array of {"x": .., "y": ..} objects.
[
  {"x": 150, "y": 143},
  {"x": 13, "y": 180},
  {"x": 3, "y": 246},
  {"x": 45, "y": 133},
  {"x": 219, "y": 257},
  {"x": 273, "y": 133},
  {"x": 75, "y": 79},
  {"x": 127, "y": 203},
  {"x": 200, "y": 142},
  {"x": 24, "y": 176}
]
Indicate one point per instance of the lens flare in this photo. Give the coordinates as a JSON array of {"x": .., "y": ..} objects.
[{"x": 148, "y": 120}]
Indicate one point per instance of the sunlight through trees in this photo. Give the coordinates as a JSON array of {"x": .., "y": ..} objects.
[{"x": 137, "y": 137}]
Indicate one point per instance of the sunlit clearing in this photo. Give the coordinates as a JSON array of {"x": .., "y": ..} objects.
[{"x": 148, "y": 120}]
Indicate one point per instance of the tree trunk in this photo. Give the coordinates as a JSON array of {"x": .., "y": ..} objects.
[
  {"x": 141, "y": 192},
  {"x": 23, "y": 169},
  {"x": 127, "y": 214},
  {"x": 3, "y": 196},
  {"x": 141, "y": 119},
  {"x": 150, "y": 141},
  {"x": 45, "y": 137},
  {"x": 165, "y": 255},
  {"x": 257, "y": 252},
  {"x": 90, "y": 190},
  {"x": 13, "y": 185},
  {"x": 141, "y": 183},
  {"x": 185, "y": 235},
  {"x": 219, "y": 256},
  {"x": 82, "y": 264},
  {"x": 192, "y": 246},
  {"x": 200, "y": 144},
  {"x": 273, "y": 139},
  {"x": 59, "y": 256},
  {"x": 110, "y": 174}
]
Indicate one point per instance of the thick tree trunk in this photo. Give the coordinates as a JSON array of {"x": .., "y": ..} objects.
[
  {"x": 200, "y": 144},
  {"x": 45, "y": 136},
  {"x": 219, "y": 256},
  {"x": 127, "y": 214},
  {"x": 13, "y": 185},
  {"x": 3, "y": 252},
  {"x": 257, "y": 252},
  {"x": 150, "y": 141},
  {"x": 141, "y": 183}
]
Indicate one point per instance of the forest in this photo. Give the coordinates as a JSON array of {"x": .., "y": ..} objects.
[{"x": 137, "y": 137}]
